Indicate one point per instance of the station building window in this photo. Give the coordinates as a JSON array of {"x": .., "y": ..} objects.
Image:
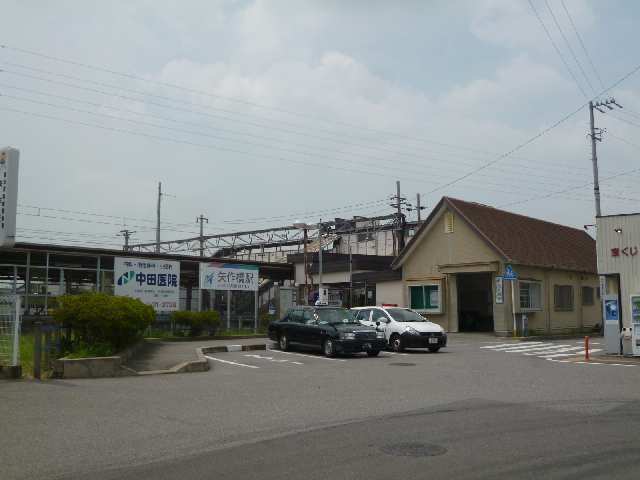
[
  {"x": 530, "y": 295},
  {"x": 426, "y": 298},
  {"x": 563, "y": 298}
]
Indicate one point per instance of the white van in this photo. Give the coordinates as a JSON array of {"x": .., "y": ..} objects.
[{"x": 403, "y": 327}]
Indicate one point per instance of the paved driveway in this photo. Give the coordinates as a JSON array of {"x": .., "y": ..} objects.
[{"x": 271, "y": 414}]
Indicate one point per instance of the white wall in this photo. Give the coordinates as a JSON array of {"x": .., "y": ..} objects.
[
  {"x": 627, "y": 262},
  {"x": 390, "y": 292}
]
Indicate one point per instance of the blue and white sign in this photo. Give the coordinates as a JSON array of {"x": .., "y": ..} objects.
[
  {"x": 229, "y": 276},
  {"x": 154, "y": 282},
  {"x": 509, "y": 273},
  {"x": 611, "y": 311}
]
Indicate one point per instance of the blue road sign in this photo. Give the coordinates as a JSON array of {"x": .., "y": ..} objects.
[{"x": 509, "y": 273}]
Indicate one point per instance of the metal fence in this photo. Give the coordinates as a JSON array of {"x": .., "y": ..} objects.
[{"x": 9, "y": 330}]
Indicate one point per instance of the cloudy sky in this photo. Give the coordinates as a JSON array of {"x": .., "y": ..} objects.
[{"x": 261, "y": 113}]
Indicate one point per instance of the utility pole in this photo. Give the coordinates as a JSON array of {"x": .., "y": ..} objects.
[
  {"x": 126, "y": 234},
  {"x": 399, "y": 202},
  {"x": 201, "y": 219},
  {"x": 319, "y": 258},
  {"x": 158, "y": 218},
  {"x": 306, "y": 267},
  {"x": 596, "y": 136}
]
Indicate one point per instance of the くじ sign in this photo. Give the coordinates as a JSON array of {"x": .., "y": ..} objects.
[
  {"x": 228, "y": 276},
  {"x": 154, "y": 282}
]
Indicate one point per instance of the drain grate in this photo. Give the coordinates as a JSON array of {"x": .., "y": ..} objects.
[
  {"x": 403, "y": 364},
  {"x": 413, "y": 449}
]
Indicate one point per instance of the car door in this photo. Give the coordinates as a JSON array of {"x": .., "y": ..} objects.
[
  {"x": 364, "y": 317},
  {"x": 292, "y": 327},
  {"x": 305, "y": 328},
  {"x": 379, "y": 315}
]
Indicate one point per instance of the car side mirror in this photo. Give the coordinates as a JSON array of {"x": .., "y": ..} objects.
[
  {"x": 378, "y": 323},
  {"x": 381, "y": 320}
]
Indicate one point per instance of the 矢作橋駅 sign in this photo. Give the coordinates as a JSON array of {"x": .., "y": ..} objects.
[
  {"x": 154, "y": 282},
  {"x": 228, "y": 276}
]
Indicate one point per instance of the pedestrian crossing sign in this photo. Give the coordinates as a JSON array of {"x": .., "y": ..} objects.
[{"x": 509, "y": 273}]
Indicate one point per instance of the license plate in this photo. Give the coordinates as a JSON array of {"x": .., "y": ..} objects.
[
  {"x": 433, "y": 340},
  {"x": 366, "y": 346}
]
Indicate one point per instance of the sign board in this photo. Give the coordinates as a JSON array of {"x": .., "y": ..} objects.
[
  {"x": 154, "y": 282},
  {"x": 611, "y": 310},
  {"x": 635, "y": 309},
  {"x": 499, "y": 290},
  {"x": 229, "y": 276},
  {"x": 509, "y": 273},
  {"x": 9, "y": 162}
]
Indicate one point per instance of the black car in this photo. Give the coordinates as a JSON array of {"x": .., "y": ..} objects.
[{"x": 332, "y": 329}]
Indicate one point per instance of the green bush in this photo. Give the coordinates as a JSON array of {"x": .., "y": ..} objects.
[
  {"x": 197, "y": 322},
  {"x": 100, "y": 319},
  {"x": 265, "y": 320}
]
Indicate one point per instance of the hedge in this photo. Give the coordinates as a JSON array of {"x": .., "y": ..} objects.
[
  {"x": 197, "y": 322},
  {"x": 99, "y": 319}
]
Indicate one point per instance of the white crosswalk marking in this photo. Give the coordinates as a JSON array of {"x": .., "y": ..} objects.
[
  {"x": 512, "y": 344},
  {"x": 547, "y": 350}
]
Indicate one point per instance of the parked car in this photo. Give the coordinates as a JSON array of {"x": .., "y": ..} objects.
[
  {"x": 334, "y": 330},
  {"x": 403, "y": 327}
]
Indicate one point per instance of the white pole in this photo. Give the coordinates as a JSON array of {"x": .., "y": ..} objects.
[
  {"x": 513, "y": 306},
  {"x": 16, "y": 334},
  {"x": 255, "y": 313}
]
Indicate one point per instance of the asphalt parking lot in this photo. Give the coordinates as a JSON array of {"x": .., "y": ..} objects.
[{"x": 268, "y": 414}]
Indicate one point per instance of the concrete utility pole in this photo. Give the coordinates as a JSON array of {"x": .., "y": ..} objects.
[
  {"x": 398, "y": 203},
  {"x": 319, "y": 257},
  {"x": 306, "y": 267},
  {"x": 596, "y": 136},
  {"x": 126, "y": 234},
  {"x": 201, "y": 219},
  {"x": 158, "y": 218}
]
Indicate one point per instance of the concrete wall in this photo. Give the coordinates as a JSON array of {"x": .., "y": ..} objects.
[{"x": 390, "y": 292}]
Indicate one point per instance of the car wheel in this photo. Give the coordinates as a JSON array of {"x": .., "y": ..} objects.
[
  {"x": 396, "y": 343},
  {"x": 327, "y": 348},
  {"x": 283, "y": 342},
  {"x": 434, "y": 349},
  {"x": 373, "y": 353}
]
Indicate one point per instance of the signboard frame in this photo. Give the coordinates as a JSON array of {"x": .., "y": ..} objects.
[
  {"x": 155, "y": 282},
  {"x": 499, "y": 290},
  {"x": 9, "y": 167}
]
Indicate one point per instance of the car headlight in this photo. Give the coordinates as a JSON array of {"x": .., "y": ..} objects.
[
  {"x": 412, "y": 331},
  {"x": 380, "y": 334},
  {"x": 347, "y": 336}
]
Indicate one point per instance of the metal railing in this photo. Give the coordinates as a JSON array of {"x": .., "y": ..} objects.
[{"x": 9, "y": 330}]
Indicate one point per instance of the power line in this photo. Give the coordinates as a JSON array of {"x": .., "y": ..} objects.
[
  {"x": 566, "y": 41},
  {"x": 544, "y": 27},
  {"x": 209, "y": 115},
  {"x": 242, "y": 101},
  {"x": 584, "y": 48},
  {"x": 539, "y": 134}
]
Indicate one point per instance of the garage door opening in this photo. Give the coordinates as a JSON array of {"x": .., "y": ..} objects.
[{"x": 475, "y": 302}]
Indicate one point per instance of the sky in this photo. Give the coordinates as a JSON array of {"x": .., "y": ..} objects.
[{"x": 260, "y": 114}]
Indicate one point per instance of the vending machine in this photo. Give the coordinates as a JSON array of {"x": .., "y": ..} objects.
[
  {"x": 635, "y": 325},
  {"x": 611, "y": 324}
]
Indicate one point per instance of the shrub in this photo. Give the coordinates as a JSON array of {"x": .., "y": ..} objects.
[
  {"x": 265, "y": 320},
  {"x": 100, "y": 319},
  {"x": 197, "y": 322}
]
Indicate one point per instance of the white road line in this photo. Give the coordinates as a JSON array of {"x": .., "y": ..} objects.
[
  {"x": 310, "y": 356},
  {"x": 397, "y": 353},
  {"x": 271, "y": 359},
  {"x": 502, "y": 345},
  {"x": 572, "y": 354},
  {"x": 550, "y": 351},
  {"x": 515, "y": 348},
  {"x": 535, "y": 347},
  {"x": 230, "y": 363}
]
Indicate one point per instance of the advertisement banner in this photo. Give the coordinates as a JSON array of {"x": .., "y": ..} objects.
[
  {"x": 228, "y": 276},
  {"x": 499, "y": 290},
  {"x": 154, "y": 282}
]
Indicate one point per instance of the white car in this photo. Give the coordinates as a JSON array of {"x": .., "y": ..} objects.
[{"x": 403, "y": 327}]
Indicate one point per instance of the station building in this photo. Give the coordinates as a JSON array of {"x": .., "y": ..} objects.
[
  {"x": 39, "y": 274},
  {"x": 452, "y": 271}
]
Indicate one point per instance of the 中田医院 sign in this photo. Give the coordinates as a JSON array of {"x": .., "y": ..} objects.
[{"x": 154, "y": 282}]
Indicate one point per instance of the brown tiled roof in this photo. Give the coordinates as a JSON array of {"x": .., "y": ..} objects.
[{"x": 524, "y": 240}]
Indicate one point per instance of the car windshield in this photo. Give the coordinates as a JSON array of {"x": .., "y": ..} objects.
[
  {"x": 404, "y": 315},
  {"x": 336, "y": 315}
]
